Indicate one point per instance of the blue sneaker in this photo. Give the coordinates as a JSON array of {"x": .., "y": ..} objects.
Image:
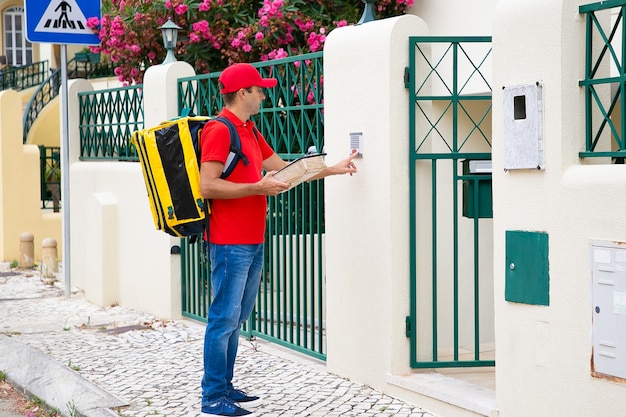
[
  {"x": 224, "y": 407},
  {"x": 239, "y": 396}
]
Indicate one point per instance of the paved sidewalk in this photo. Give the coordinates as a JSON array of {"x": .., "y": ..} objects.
[{"x": 99, "y": 362}]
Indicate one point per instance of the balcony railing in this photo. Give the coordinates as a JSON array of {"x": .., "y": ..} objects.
[{"x": 21, "y": 78}]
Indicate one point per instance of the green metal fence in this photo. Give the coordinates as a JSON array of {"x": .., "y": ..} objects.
[
  {"x": 196, "y": 286},
  {"x": 107, "y": 119},
  {"x": 605, "y": 80},
  {"x": 21, "y": 78},
  {"x": 451, "y": 319},
  {"x": 290, "y": 305}
]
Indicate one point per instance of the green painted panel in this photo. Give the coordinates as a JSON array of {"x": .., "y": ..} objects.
[{"x": 527, "y": 278}]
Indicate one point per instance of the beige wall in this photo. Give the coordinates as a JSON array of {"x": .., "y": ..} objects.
[
  {"x": 46, "y": 129},
  {"x": 20, "y": 208}
]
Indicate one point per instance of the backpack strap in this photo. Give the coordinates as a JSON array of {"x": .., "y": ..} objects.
[{"x": 235, "y": 153}]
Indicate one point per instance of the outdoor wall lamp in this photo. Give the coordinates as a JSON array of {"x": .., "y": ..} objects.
[
  {"x": 169, "y": 30},
  {"x": 368, "y": 14}
]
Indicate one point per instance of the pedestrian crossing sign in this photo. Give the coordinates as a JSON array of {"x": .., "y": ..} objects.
[{"x": 61, "y": 21}]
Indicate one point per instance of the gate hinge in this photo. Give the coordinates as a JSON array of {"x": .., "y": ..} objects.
[
  {"x": 407, "y": 77},
  {"x": 407, "y": 326}
]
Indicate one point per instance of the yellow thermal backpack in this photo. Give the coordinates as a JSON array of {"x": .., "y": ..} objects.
[{"x": 170, "y": 159}]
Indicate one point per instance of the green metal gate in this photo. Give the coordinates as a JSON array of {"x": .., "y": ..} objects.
[
  {"x": 451, "y": 319},
  {"x": 290, "y": 306}
]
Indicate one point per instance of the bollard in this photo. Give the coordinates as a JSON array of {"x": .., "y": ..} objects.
[
  {"x": 49, "y": 258},
  {"x": 27, "y": 250}
]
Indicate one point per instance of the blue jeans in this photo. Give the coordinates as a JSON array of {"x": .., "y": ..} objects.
[{"x": 235, "y": 279}]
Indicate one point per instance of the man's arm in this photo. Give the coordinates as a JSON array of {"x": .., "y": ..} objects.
[
  {"x": 212, "y": 186},
  {"x": 274, "y": 163},
  {"x": 345, "y": 166}
]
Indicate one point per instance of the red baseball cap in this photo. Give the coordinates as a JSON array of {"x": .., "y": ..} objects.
[{"x": 243, "y": 75}]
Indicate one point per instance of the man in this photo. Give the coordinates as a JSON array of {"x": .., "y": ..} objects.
[{"x": 237, "y": 231}]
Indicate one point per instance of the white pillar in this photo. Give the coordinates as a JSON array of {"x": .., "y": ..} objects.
[
  {"x": 367, "y": 215},
  {"x": 160, "y": 91},
  {"x": 160, "y": 98}
]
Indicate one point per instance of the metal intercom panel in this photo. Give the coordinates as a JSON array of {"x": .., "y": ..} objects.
[
  {"x": 608, "y": 261},
  {"x": 356, "y": 142},
  {"x": 523, "y": 126}
]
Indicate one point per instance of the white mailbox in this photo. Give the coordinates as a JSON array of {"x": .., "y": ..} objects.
[
  {"x": 523, "y": 126},
  {"x": 608, "y": 260}
]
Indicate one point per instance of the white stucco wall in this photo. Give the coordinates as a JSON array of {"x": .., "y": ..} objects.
[
  {"x": 456, "y": 17},
  {"x": 543, "y": 352},
  {"x": 367, "y": 254},
  {"x": 119, "y": 256}
]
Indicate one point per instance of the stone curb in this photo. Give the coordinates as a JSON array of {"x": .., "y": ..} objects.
[{"x": 37, "y": 375}]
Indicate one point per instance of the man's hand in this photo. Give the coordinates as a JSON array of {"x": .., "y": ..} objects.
[
  {"x": 271, "y": 186},
  {"x": 345, "y": 166}
]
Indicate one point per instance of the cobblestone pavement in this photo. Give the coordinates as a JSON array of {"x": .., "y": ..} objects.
[{"x": 156, "y": 366}]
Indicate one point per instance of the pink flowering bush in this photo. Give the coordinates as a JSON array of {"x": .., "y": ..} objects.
[{"x": 216, "y": 33}]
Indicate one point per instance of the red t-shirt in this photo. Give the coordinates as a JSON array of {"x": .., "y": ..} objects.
[{"x": 237, "y": 220}]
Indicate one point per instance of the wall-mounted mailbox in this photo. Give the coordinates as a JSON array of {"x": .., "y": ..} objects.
[
  {"x": 523, "y": 126},
  {"x": 481, "y": 205},
  {"x": 608, "y": 272}
]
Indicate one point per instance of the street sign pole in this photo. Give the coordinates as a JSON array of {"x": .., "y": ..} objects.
[
  {"x": 63, "y": 22},
  {"x": 65, "y": 172}
]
